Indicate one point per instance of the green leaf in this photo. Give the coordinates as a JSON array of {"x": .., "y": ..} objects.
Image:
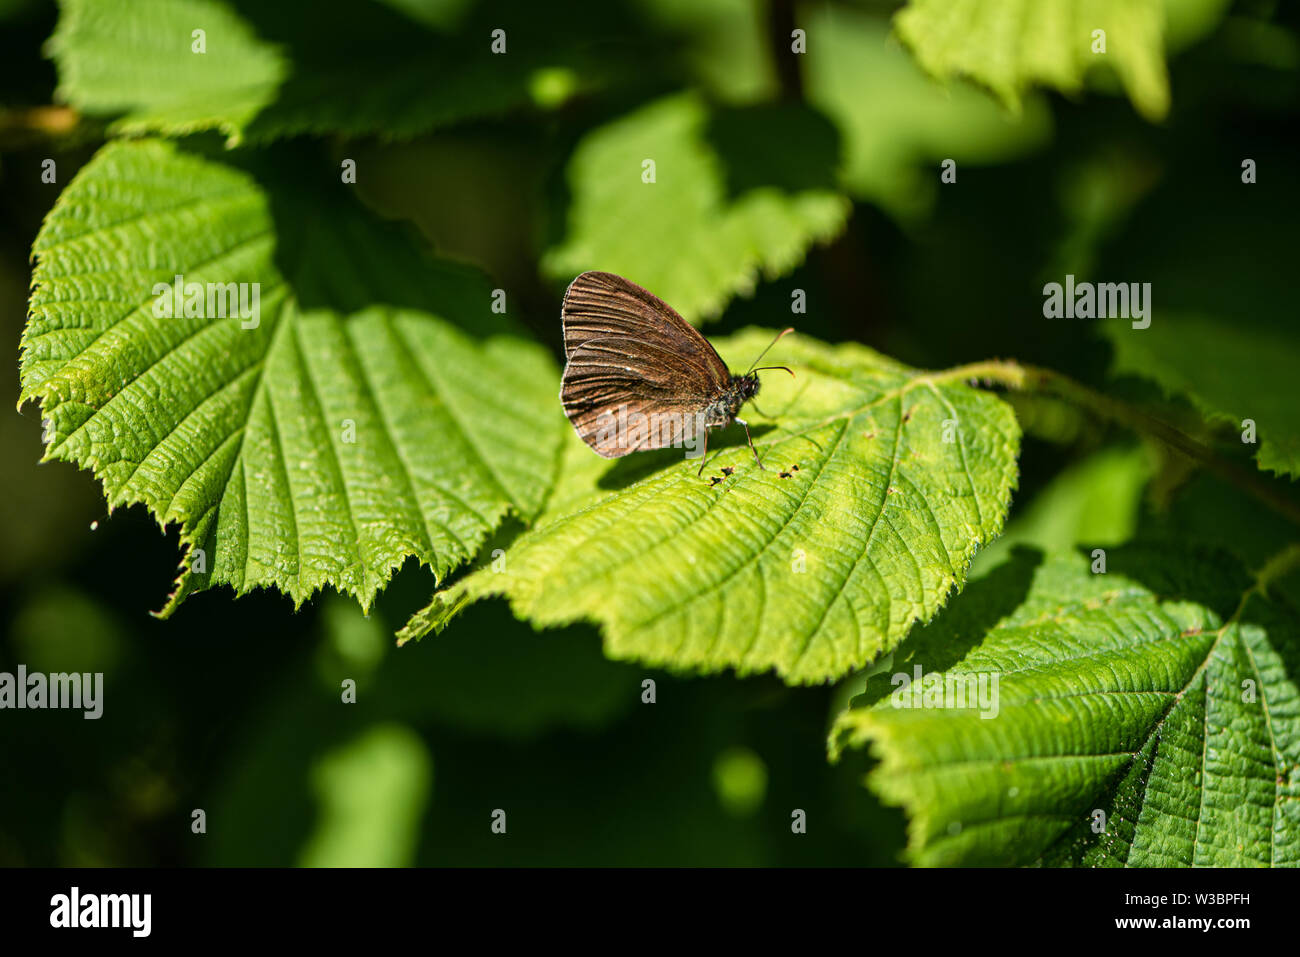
[
  {"x": 683, "y": 235},
  {"x": 137, "y": 58},
  {"x": 1231, "y": 371},
  {"x": 1207, "y": 510},
  {"x": 1010, "y": 46},
  {"x": 371, "y": 794},
  {"x": 363, "y": 420},
  {"x": 270, "y": 70},
  {"x": 1094, "y": 502},
  {"x": 1161, "y": 694},
  {"x": 724, "y": 43},
  {"x": 810, "y": 575},
  {"x": 898, "y": 124}
]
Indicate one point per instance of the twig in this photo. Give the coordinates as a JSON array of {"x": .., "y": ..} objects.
[{"x": 1025, "y": 378}]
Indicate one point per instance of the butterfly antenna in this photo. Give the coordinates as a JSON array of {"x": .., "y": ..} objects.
[{"x": 772, "y": 343}]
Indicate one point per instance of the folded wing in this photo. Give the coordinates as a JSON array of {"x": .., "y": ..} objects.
[
  {"x": 598, "y": 305},
  {"x": 626, "y": 395}
]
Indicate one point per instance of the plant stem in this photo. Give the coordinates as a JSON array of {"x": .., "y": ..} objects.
[
  {"x": 1281, "y": 564},
  {"x": 780, "y": 24},
  {"x": 1026, "y": 378}
]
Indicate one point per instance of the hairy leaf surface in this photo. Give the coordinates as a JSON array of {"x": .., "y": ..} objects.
[
  {"x": 901, "y": 476},
  {"x": 364, "y": 419},
  {"x": 1147, "y": 716},
  {"x": 684, "y": 236}
]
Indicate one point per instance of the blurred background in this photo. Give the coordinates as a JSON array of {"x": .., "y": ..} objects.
[{"x": 233, "y": 706}]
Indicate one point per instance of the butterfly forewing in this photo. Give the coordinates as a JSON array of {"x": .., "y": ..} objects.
[
  {"x": 628, "y": 354},
  {"x": 601, "y": 304}
]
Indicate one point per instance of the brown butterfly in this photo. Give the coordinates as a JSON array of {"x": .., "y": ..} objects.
[{"x": 638, "y": 376}]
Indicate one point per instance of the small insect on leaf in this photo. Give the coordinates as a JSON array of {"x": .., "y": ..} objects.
[{"x": 638, "y": 376}]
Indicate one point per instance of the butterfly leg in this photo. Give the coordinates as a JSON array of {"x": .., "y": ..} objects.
[
  {"x": 751, "y": 444},
  {"x": 704, "y": 454}
]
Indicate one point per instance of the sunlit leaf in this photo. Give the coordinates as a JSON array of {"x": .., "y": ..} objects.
[
  {"x": 898, "y": 124},
  {"x": 1011, "y": 46},
  {"x": 809, "y": 572},
  {"x": 684, "y": 235}
]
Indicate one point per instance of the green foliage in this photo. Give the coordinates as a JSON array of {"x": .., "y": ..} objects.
[
  {"x": 724, "y": 44},
  {"x": 370, "y": 793},
  {"x": 897, "y": 123},
  {"x": 685, "y": 236},
  {"x": 1011, "y": 46},
  {"x": 1162, "y": 693},
  {"x": 270, "y": 70},
  {"x": 491, "y": 674},
  {"x": 1231, "y": 371},
  {"x": 1095, "y": 502},
  {"x": 357, "y": 424},
  {"x": 137, "y": 58},
  {"x": 901, "y": 477},
  {"x": 740, "y": 778}
]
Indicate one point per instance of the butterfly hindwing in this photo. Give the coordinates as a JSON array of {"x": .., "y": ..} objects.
[{"x": 619, "y": 401}]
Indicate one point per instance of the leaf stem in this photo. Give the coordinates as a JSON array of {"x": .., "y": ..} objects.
[
  {"x": 780, "y": 26},
  {"x": 1281, "y": 564},
  {"x": 1026, "y": 378}
]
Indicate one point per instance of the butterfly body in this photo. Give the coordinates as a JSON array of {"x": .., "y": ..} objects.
[
  {"x": 722, "y": 411},
  {"x": 638, "y": 376}
]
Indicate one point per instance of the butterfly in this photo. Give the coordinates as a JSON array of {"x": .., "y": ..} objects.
[{"x": 638, "y": 376}]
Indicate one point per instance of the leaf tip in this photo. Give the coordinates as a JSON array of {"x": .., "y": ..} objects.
[{"x": 435, "y": 616}]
